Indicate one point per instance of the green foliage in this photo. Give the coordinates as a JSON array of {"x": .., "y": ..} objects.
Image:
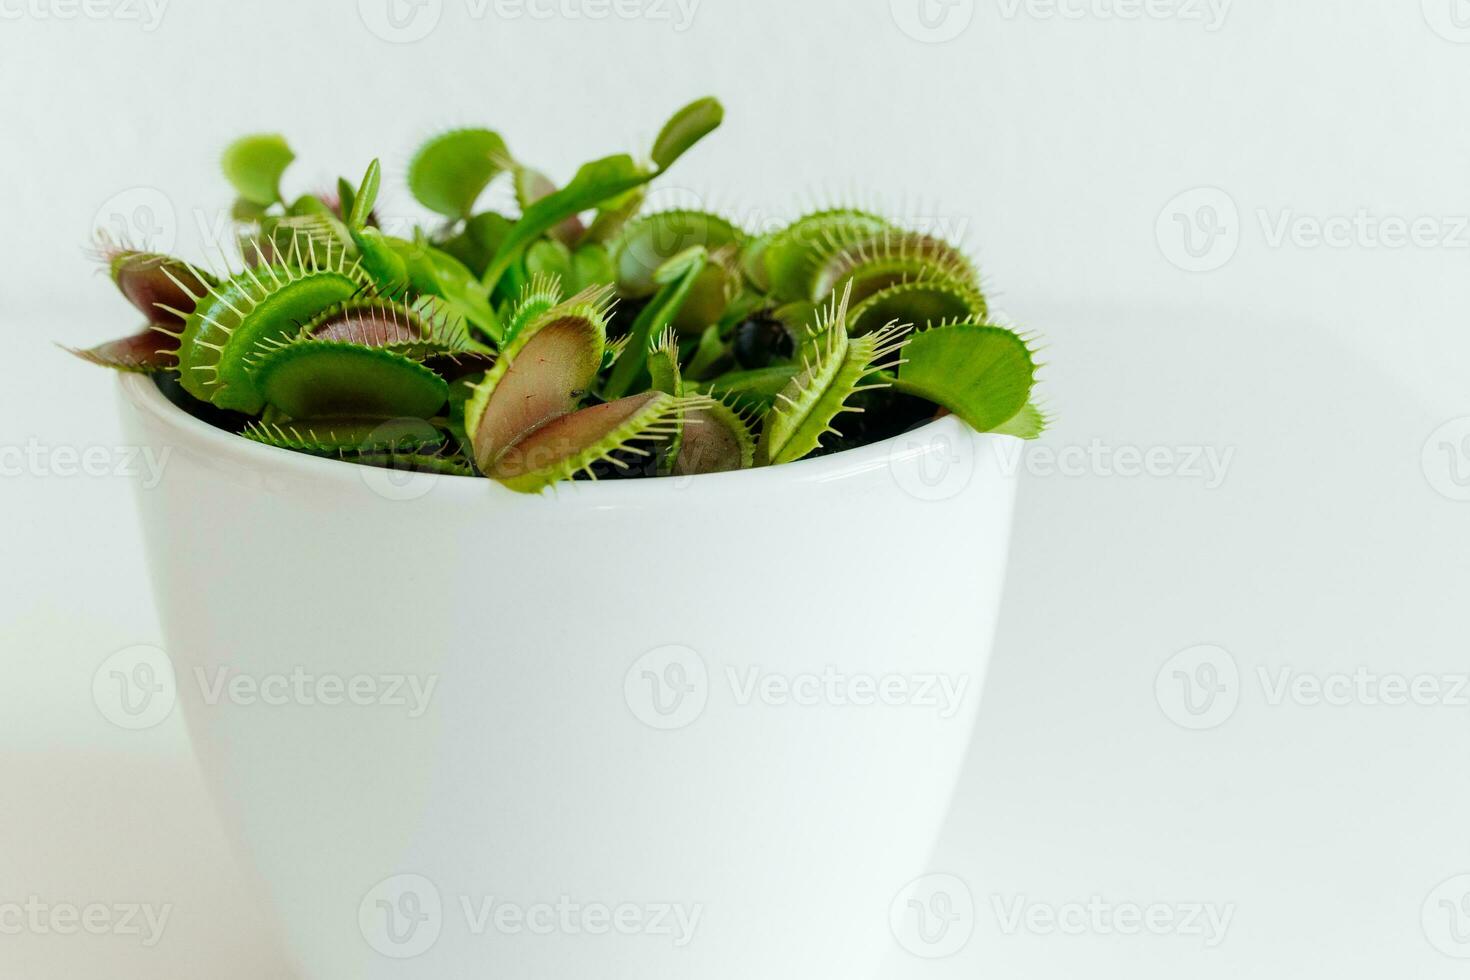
[
  {"x": 234, "y": 320},
  {"x": 358, "y": 205},
  {"x": 981, "y": 373},
  {"x": 675, "y": 278},
  {"x": 575, "y": 341},
  {"x": 148, "y": 352},
  {"x": 476, "y": 243},
  {"x": 594, "y": 183},
  {"x": 756, "y": 389},
  {"x": 323, "y": 379},
  {"x": 616, "y": 440},
  {"x": 254, "y": 165},
  {"x": 833, "y": 368},
  {"x": 918, "y": 303},
  {"x": 544, "y": 372},
  {"x": 450, "y": 171},
  {"x": 894, "y": 258},
  {"x": 532, "y": 186},
  {"x": 604, "y": 181},
  {"x": 651, "y": 241},
  {"x": 161, "y": 288},
  {"x": 663, "y": 365},
  {"x": 687, "y": 127},
  {"x": 793, "y": 257},
  {"x": 716, "y": 439},
  {"x": 422, "y": 330},
  {"x": 348, "y": 437},
  {"x": 1029, "y": 423}
]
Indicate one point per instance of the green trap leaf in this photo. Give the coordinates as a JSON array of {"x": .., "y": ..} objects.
[
  {"x": 254, "y": 165},
  {"x": 318, "y": 379},
  {"x": 544, "y": 372},
  {"x": 450, "y": 171},
  {"x": 981, "y": 373}
]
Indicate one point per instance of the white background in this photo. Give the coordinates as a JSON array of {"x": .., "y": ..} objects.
[{"x": 1057, "y": 140}]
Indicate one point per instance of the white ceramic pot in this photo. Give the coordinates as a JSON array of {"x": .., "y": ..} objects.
[{"x": 698, "y": 729}]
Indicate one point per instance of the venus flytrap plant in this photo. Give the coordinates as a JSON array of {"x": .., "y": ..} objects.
[
  {"x": 665, "y": 377},
  {"x": 575, "y": 340},
  {"x": 532, "y": 186},
  {"x": 605, "y": 180},
  {"x": 159, "y": 287},
  {"x": 345, "y": 436},
  {"x": 649, "y": 242},
  {"x": 921, "y": 303},
  {"x": 452, "y": 170},
  {"x": 634, "y": 436},
  {"x": 791, "y": 260},
  {"x": 142, "y": 353},
  {"x": 834, "y": 369},
  {"x": 543, "y": 373},
  {"x": 426, "y": 328},
  {"x": 894, "y": 258},
  {"x": 755, "y": 390},
  {"x": 1029, "y": 423},
  {"x": 717, "y": 438},
  {"x": 663, "y": 364},
  {"x": 675, "y": 279},
  {"x": 255, "y": 166},
  {"x": 328, "y": 379},
  {"x": 981, "y": 373},
  {"x": 233, "y": 319}
]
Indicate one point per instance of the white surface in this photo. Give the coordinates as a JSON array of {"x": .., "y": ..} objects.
[{"x": 1058, "y": 143}]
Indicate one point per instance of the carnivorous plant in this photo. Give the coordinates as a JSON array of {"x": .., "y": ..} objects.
[{"x": 576, "y": 339}]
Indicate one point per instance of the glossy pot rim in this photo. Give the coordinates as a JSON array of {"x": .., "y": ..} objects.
[{"x": 200, "y": 439}]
